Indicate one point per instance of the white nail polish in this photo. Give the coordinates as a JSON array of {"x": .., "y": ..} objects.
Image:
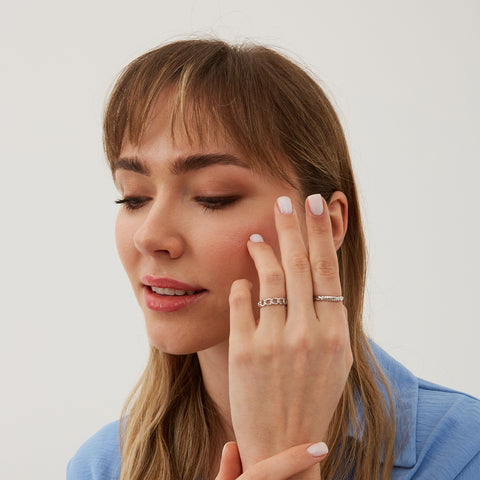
[
  {"x": 284, "y": 205},
  {"x": 256, "y": 238},
  {"x": 317, "y": 449},
  {"x": 315, "y": 203}
]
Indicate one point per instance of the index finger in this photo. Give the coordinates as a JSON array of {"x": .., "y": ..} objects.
[{"x": 287, "y": 463}]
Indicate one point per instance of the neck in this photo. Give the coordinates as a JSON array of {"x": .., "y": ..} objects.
[{"x": 214, "y": 366}]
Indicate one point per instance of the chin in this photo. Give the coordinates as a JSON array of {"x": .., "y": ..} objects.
[
  {"x": 176, "y": 342},
  {"x": 175, "y": 348}
]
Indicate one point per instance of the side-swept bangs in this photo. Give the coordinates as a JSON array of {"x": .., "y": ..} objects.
[
  {"x": 278, "y": 117},
  {"x": 262, "y": 103}
]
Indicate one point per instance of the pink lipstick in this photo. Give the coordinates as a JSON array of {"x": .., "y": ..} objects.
[{"x": 169, "y": 295}]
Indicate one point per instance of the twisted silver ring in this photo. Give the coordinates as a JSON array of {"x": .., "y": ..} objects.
[
  {"x": 266, "y": 302},
  {"x": 327, "y": 298}
]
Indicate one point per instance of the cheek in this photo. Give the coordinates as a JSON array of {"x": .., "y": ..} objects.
[
  {"x": 226, "y": 248},
  {"x": 124, "y": 241}
]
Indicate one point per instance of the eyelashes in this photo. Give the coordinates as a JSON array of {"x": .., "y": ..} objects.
[
  {"x": 216, "y": 203},
  {"x": 132, "y": 203},
  {"x": 208, "y": 203}
]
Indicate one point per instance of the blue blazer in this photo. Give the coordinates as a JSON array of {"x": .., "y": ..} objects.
[{"x": 438, "y": 433}]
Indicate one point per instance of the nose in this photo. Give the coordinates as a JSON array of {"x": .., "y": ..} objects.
[{"x": 159, "y": 233}]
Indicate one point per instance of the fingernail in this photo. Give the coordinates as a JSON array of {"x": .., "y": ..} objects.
[
  {"x": 223, "y": 449},
  {"x": 284, "y": 205},
  {"x": 256, "y": 238},
  {"x": 315, "y": 203},
  {"x": 317, "y": 449}
]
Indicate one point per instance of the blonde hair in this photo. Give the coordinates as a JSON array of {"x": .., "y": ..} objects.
[{"x": 280, "y": 118}]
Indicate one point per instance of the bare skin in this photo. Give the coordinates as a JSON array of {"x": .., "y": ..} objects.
[
  {"x": 280, "y": 467},
  {"x": 293, "y": 363},
  {"x": 276, "y": 373}
]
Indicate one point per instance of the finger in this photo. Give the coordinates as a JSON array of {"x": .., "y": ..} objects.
[
  {"x": 230, "y": 463},
  {"x": 295, "y": 260},
  {"x": 242, "y": 320},
  {"x": 272, "y": 281},
  {"x": 287, "y": 463},
  {"x": 323, "y": 256}
]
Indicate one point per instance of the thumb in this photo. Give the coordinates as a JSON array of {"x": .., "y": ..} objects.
[{"x": 230, "y": 464}]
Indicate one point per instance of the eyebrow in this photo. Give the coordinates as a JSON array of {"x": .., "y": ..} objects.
[
  {"x": 131, "y": 165},
  {"x": 183, "y": 164}
]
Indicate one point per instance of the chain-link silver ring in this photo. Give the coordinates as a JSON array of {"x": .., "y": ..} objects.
[{"x": 267, "y": 302}]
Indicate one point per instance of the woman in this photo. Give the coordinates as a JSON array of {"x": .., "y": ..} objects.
[{"x": 240, "y": 231}]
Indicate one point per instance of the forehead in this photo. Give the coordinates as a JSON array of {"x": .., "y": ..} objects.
[
  {"x": 170, "y": 145},
  {"x": 192, "y": 137},
  {"x": 170, "y": 129}
]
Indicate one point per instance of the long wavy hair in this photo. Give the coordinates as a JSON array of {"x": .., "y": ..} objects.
[{"x": 273, "y": 111}]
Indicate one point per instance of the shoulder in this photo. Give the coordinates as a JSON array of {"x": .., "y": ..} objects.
[
  {"x": 99, "y": 457},
  {"x": 448, "y": 430},
  {"x": 438, "y": 429}
]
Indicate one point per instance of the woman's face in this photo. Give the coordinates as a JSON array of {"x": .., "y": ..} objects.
[{"x": 182, "y": 232}]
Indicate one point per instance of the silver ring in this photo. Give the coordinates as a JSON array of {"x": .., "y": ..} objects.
[
  {"x": 266, "y": 302},
  {"x": 327, "y": 298}
]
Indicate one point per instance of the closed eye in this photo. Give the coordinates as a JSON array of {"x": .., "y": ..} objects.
[
  {"x": 216, "y": 203},
  {"x": 132, "y": 203}
]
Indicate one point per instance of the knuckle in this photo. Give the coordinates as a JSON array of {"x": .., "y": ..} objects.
[
  {"x": 238, "y": 297},
  {"x": 326, "y": 268},
  {"x": 301, "y": 343},
  {"x": 267, "y": 349},
  {"x": 241, "y": 355},
  {"x": 335, "y": 341},
  {"x": 289, "y": 224},
  {"x": 320, "y": 228},
  {"x": 303, "y": 348},
  {"x": 273, "y": 276},
  {"x": 299, "y": 263}
]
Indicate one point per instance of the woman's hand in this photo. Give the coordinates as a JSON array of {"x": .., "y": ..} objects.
[
  {"x": 279, "y": 467},
  {"x": 288, "y": 369}
]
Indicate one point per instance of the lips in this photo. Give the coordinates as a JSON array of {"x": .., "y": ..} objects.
[
  {"x": 172, "y": 291},
  {"x": 163, "y": 282},
  {"x": 169, "y": 295}
]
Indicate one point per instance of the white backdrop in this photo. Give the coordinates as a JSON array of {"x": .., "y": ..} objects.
[{"x": 404, "y": 76}]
